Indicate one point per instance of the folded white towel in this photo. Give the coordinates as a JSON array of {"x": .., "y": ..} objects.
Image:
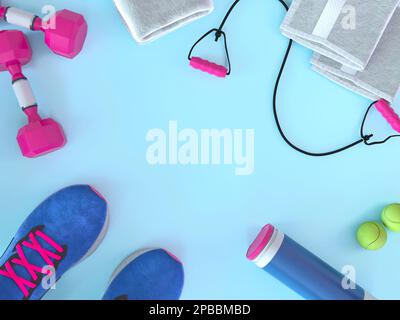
[
  {"x": 381, "y": 77},
  {"x": 346, "y": 31},
  {"x": 148, "y": 20}
]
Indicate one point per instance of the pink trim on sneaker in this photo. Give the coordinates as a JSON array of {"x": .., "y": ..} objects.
[
  {"x": 98, "y": 193},
  {"x": 172, "y": 256}
]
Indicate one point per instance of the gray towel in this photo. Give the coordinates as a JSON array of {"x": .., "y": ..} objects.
[
  {"x": 381, "y": 77},
  {"x": 347, "y": 31},
  {"x": 148, "y": 20}
]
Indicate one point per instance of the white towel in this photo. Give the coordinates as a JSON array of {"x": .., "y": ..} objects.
[
  {"x": 346, "y": 31},
  {"x": 148, "y": 20},
  {"x": 381, "y": 77}
]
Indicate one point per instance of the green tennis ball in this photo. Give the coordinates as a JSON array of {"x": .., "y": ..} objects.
[
  {"x": 371, "y": 235},
  {"x": 391, "y": 217}
]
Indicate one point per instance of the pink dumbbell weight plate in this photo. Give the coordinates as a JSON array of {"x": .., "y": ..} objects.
[
  {"x": 65, "y": 32},
  {"x": 40, "y": 136},
  {"x": 68, "y": 36}
]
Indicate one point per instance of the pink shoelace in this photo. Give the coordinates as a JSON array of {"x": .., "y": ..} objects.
[{"x": 50, "y": 258}]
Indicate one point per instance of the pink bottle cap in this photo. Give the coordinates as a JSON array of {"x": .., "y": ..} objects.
[{"x": 260, "y": 242}]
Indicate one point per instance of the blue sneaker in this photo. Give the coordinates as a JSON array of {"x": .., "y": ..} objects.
[
  {"x": 62, "y": 231},
  {"x": 147, "y": 275}
]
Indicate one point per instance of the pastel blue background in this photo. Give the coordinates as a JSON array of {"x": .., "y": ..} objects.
[{"x": 115, "y": 91}]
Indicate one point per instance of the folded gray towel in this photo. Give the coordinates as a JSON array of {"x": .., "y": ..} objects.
[
  {"x": 381, "y": 77},
  {"x": 346, "y": 31},
  {"x": 148, "y": 20}
]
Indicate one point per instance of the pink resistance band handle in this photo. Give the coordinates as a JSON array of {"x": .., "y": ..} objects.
[
  {"x": 389, "y": 114},
  {"x": 209, "y": 67}
]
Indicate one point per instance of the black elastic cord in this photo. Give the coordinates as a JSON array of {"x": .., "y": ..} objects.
[
  {"x": 364, "y": 138},
  {"x": 219, "y": 31}
]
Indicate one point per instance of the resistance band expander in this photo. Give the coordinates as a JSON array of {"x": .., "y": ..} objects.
[{"x": 222, "y": 71}]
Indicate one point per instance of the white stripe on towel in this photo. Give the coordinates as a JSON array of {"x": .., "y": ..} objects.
[
  {"x": 328, "y": 18},
  {"x": 348, "y": 70}
]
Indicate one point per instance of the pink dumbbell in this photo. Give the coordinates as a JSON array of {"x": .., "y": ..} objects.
[
  {"x": 39, "y": 136},
  {"x": 66, "y": 37}
]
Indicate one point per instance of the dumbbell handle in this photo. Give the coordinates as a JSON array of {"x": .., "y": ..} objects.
[
  {"x": 21, "y": 18},
  {"x": 23, "y": 92}
]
